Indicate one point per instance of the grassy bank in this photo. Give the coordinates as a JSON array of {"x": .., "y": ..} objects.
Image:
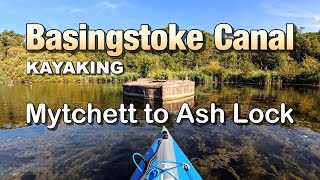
[{"x": 256, "y": 77}]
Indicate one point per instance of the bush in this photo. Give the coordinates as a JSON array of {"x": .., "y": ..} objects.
[
  {"x": 233, "y": 76},
  {"x": 213, "y": 68},
  {"x": 163, "y": 75},
  {"x": 256, "y": 77},
  {"x": 145, "y": 69}
]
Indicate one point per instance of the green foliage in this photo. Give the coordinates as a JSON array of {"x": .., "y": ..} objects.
[
  {"x": 9, "y": 39},
  {"x": 256, "y": 77},
  {"x": 145, "y": 69},
  {"x": 163, "y": 74},
  {"x": 311, "y": 65},
  {"x": 233, "y": 76},
  {"x": 198, "y": 77},
  {"x": 301, "y": 66},
  {"x": 213, "y": 69}
]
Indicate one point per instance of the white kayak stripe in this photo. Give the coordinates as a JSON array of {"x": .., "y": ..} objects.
[{"x": 166, "y": 153}]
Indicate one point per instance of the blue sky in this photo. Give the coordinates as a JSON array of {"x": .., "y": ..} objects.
[{"x": 129, "y": 14}]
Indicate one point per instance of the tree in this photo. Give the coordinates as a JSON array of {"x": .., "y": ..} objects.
[
  {"x": 8, "y": 39},
  {"x": 311, "y": 65}
]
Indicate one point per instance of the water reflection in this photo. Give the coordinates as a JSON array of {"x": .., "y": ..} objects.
[
  {"x": 172, "y": 106},
  {"x": 104, "y": 151},
  {"x": 305, "y": 101}
]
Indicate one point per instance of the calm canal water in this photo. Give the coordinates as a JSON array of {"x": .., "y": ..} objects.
[{"x": 104, "y": 151}]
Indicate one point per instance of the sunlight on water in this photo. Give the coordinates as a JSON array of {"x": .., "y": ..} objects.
[{"x": 104, "y": 151}]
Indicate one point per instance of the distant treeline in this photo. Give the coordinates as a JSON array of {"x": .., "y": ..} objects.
[{"x": 301, "y": 66}]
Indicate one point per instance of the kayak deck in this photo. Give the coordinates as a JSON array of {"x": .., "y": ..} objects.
[{"x": 164, "y": 160}]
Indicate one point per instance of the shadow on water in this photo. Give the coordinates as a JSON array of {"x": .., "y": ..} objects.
[{"x": 104, "y": 151}]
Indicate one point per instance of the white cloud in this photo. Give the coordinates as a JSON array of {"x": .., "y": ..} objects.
[
  {"x": 300, "y": 13},
  {"x": 109, "y": 5},
  {"x": 77, "y": 11},
  {"x": 196, "y": 26},
  {"x": 291, "y": 10}
]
